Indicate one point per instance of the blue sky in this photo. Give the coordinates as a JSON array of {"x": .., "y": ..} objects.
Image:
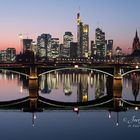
[{"x": 117, "y": 18}]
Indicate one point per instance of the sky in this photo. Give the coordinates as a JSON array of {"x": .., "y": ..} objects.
[{"x": 119, "y": 19}]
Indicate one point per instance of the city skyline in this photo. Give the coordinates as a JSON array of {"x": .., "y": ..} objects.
[{"x": 31, "y": 18}]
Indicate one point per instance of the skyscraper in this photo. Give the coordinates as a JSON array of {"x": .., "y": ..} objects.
[
  {"x": 44, "y": 45},
  {"x": 67, "y": 39},
  {"x": 85, "y": 41},
  {"x": 11, "y": 54},
  {"x": 73, "y": 49},
  {"x": 100, "y": 43},
  {"x": 109, "y": 50},
  {"x": 55, "y": 48},
  {"x": 82, "y": 38},
  {"x": 27, "y": 45},
  {"x": 93, "y": 49}
]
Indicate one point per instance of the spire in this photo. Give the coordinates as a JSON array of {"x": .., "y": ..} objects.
[
  {"x": 136, "y": 36},
  {"x": 78, "y": 17}
]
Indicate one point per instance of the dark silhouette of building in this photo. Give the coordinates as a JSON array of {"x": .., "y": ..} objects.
[
  {"x": 27, "y": 45},
  {"x": 136, "y": 46},
  {"x": 73, "y": 49},
  {"x": 26, "y": 57}
]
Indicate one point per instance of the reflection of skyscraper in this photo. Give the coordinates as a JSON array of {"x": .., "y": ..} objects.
[
  {"x": 44, "y": 84},
  {"x": 67, "y": 85},
  {"x": 82, "y": 88},
  {"x": 100, "y": 86},
  {"x": 109, "y": 85},
  {"x": 135, "y": 85}
]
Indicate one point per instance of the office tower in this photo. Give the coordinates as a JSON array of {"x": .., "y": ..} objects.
[
  {"x": 93, "y": 49},
  {"x": 79, "y": 36},
  {"x": 55, "y": 48},
  {"x": 27, "y": 45},
  {"x": 44, "y": 45},
  {"x": 3, "y": 56},
  {"x": 136, "y": 44},
  {"x": 100, "y": 43},
  {"x": 67, "y": 39},
  {"x": 73, "y": 50},
  {"x": 82, "y": 38},
  {"x": 85, "y": 40},
  {"x": 109, "y": 50},
  {"x": 61, "y": 50},
  {"x": 11, "y": 54},
  {"x": 34, "y": 47}
]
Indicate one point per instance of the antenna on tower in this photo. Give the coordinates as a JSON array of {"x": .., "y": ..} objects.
[{"x": 79, "y": 9}]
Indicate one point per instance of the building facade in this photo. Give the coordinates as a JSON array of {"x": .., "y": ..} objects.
[
  {"x": 82, "y": 38},
  {"x": 44, "y": 45},
  {"x": 100, "y": 43},
  {"x": 67, "y": 39}
]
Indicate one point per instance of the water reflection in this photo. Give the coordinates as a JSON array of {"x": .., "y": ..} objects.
[
  {"x": 135, "y": 85},
  {"x": 83, "y": 85},
  {"x": 76, "y": 91},
  {"x": 131, "y": 83}
]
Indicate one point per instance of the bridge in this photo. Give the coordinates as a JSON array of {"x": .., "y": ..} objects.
[
  {"x": 34, "y": 71},
  {"x": 36, "y": 103}
]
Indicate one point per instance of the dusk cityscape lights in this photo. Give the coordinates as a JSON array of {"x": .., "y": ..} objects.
[
  {"x": 48, "y": 49},
  {"x": 69, "y": 69}
]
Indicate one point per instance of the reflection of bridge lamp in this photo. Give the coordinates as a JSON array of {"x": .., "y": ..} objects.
[
  {"x": 76, "y": 109},
  {"x": 33, "y": 119},
  {"x": 136, "y": 108},
  {"x": 109, "y": 115},
  {"x": 117, "y": 122}
]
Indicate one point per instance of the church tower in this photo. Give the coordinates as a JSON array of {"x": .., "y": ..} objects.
[{"x": 136, "y": 43}]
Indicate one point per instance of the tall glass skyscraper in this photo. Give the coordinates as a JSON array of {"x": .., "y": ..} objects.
[
  {"x": 44, "y": 45},
  {"x": 100, "y": 43},
  {"x": 85, "y": 40},
  {"x": 82, "y": 38},
  {"x": 67, "y": 39}
]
